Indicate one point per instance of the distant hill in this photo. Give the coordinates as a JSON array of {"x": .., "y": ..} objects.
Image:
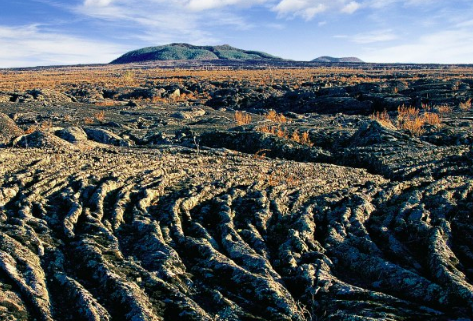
[
  {"x": 333, "y": 59},
  {"x": 182, "y": 51}
]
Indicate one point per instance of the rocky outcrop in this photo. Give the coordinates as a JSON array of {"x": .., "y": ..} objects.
[
  {"x": 5, "y": 98},
  {"x": 189, "y": 113},
  {"x": 72, "y": 134},
  {"x": 41, "y": 139},
  {"x": 153, "y": 235},
  {"x": 105, "y": 136},
  {"x": 48, "y": 95},
  {"x": 8, "y": 129},
  {"x": 41, "y": 95},
  {"x": 267, "y": 145}
]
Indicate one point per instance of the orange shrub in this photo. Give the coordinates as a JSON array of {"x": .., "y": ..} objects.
[
  {"x": 409, "y": 118},
  {"x": 100, "y": 116},
  {"x": 382, "y": 117},
  {"x": 444, "y": 109},
  {"x": 31, "y": 129},
  {"x": 432, "y": 119},
  {"x": 242, "y": 118},
  {"x": 465, "y": 105},
  {"x": 305, "y": 139},
  {"x": 105, "y": 103},
  {"x": 88, "y": 120},
  {"x": 295, "y": 136},
  {"x": 275, "y": 117}
]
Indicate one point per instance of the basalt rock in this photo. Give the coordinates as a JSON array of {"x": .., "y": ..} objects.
[
  {"x": 105, "y": 137},
  {"x": 8, "y": 129},
  {"x": 49, "y": 95},
  {"x": 153, "y": 235},
  {"x": 72, "y": 134},
  {"x": 41, "y": 139},
  {"x": 129, "y": 213},
  {"x": 189, "y": 113}
]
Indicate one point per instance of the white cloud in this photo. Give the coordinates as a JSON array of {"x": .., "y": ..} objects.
[
  {"x": 451, "y": 46},
  {"x": 351, "y": 7},
  {"x": 97, "y": 3},
  {"x": 375, "y": 36},
  {"x": 468, "y": 23},
  {"x": 308, "y": 9},
  {"x": 212, "y": 4},
  {"x": 158, "y": 20},
  {"x": 29, "y": 46},
  {"x": 378, "y": 4}
]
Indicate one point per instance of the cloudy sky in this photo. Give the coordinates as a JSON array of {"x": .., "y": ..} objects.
[{"x": 54, "y": 32}]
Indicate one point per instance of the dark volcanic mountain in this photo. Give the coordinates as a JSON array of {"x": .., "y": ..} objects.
[
  {"x": 182, "y": 51},
  {"x": 333, "y": 59}
]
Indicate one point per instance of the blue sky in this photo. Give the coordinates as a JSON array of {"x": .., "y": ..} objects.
[{"x": 52, "y": 32}]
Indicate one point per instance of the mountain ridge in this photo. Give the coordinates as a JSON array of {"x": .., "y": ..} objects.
[
  {"x": 184, "y": 51},
  {"x": 334, "y": 59}
]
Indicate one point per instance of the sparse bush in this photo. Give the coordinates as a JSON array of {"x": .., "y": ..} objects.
[
  {"x": 88, "y": 120},
  {"x": 105, "y": 103},
  {"x": 275, "y": 117},
  {"x": 444, "y": 109},
  {"x": 128, "y": 76},
  {"x": 44, "y": 126},
  {"x": 261, "y": 154},
  {"x": 242, "y": 118},
  {"x": 432, "y": 119},
  {"x": 382, "y": 117},
  {"x": 465, "y": 105},
  {"x": 295, "y": 136},
  {"x": 31, "y": 129},
  {"x": 100, "y": 116},
  {"x": 409, "y": 118},
  {"x": 305, "y": 139},
  {"x": 282, "y": 132}
]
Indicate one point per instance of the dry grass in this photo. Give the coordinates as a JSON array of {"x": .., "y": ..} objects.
[
  {"x": 115, "y": 76},
  {"x": 444, "y": 109},
  {"x": 89, "y": 120},
  {"x": 295, "y": 136},
  {"x": 465, "y": 105},
  {"x": 284, "y": 133},
  {"x": 100, "y": 116},
  {"x": 274, "y": 130},
  {"x": 305, "y": 139},
  {"x": 105, "y": 103},
  {"x": 44, "y": 126},
  {"x": 432, "y": 119},
  {"x": 382, "y": 117},
  {"x": 408, "y": 118},
  {"x": 261, "y": 153},
  {"x": 242, "y": 118},
  {"x": 128, "y": 76},
  {"x": 282, "y": 177},
  {"x": 275, "y": 117},
  {"x": 31, "y": 129}
]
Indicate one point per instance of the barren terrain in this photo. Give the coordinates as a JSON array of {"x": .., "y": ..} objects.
[{"x": 218, "y": 192}]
